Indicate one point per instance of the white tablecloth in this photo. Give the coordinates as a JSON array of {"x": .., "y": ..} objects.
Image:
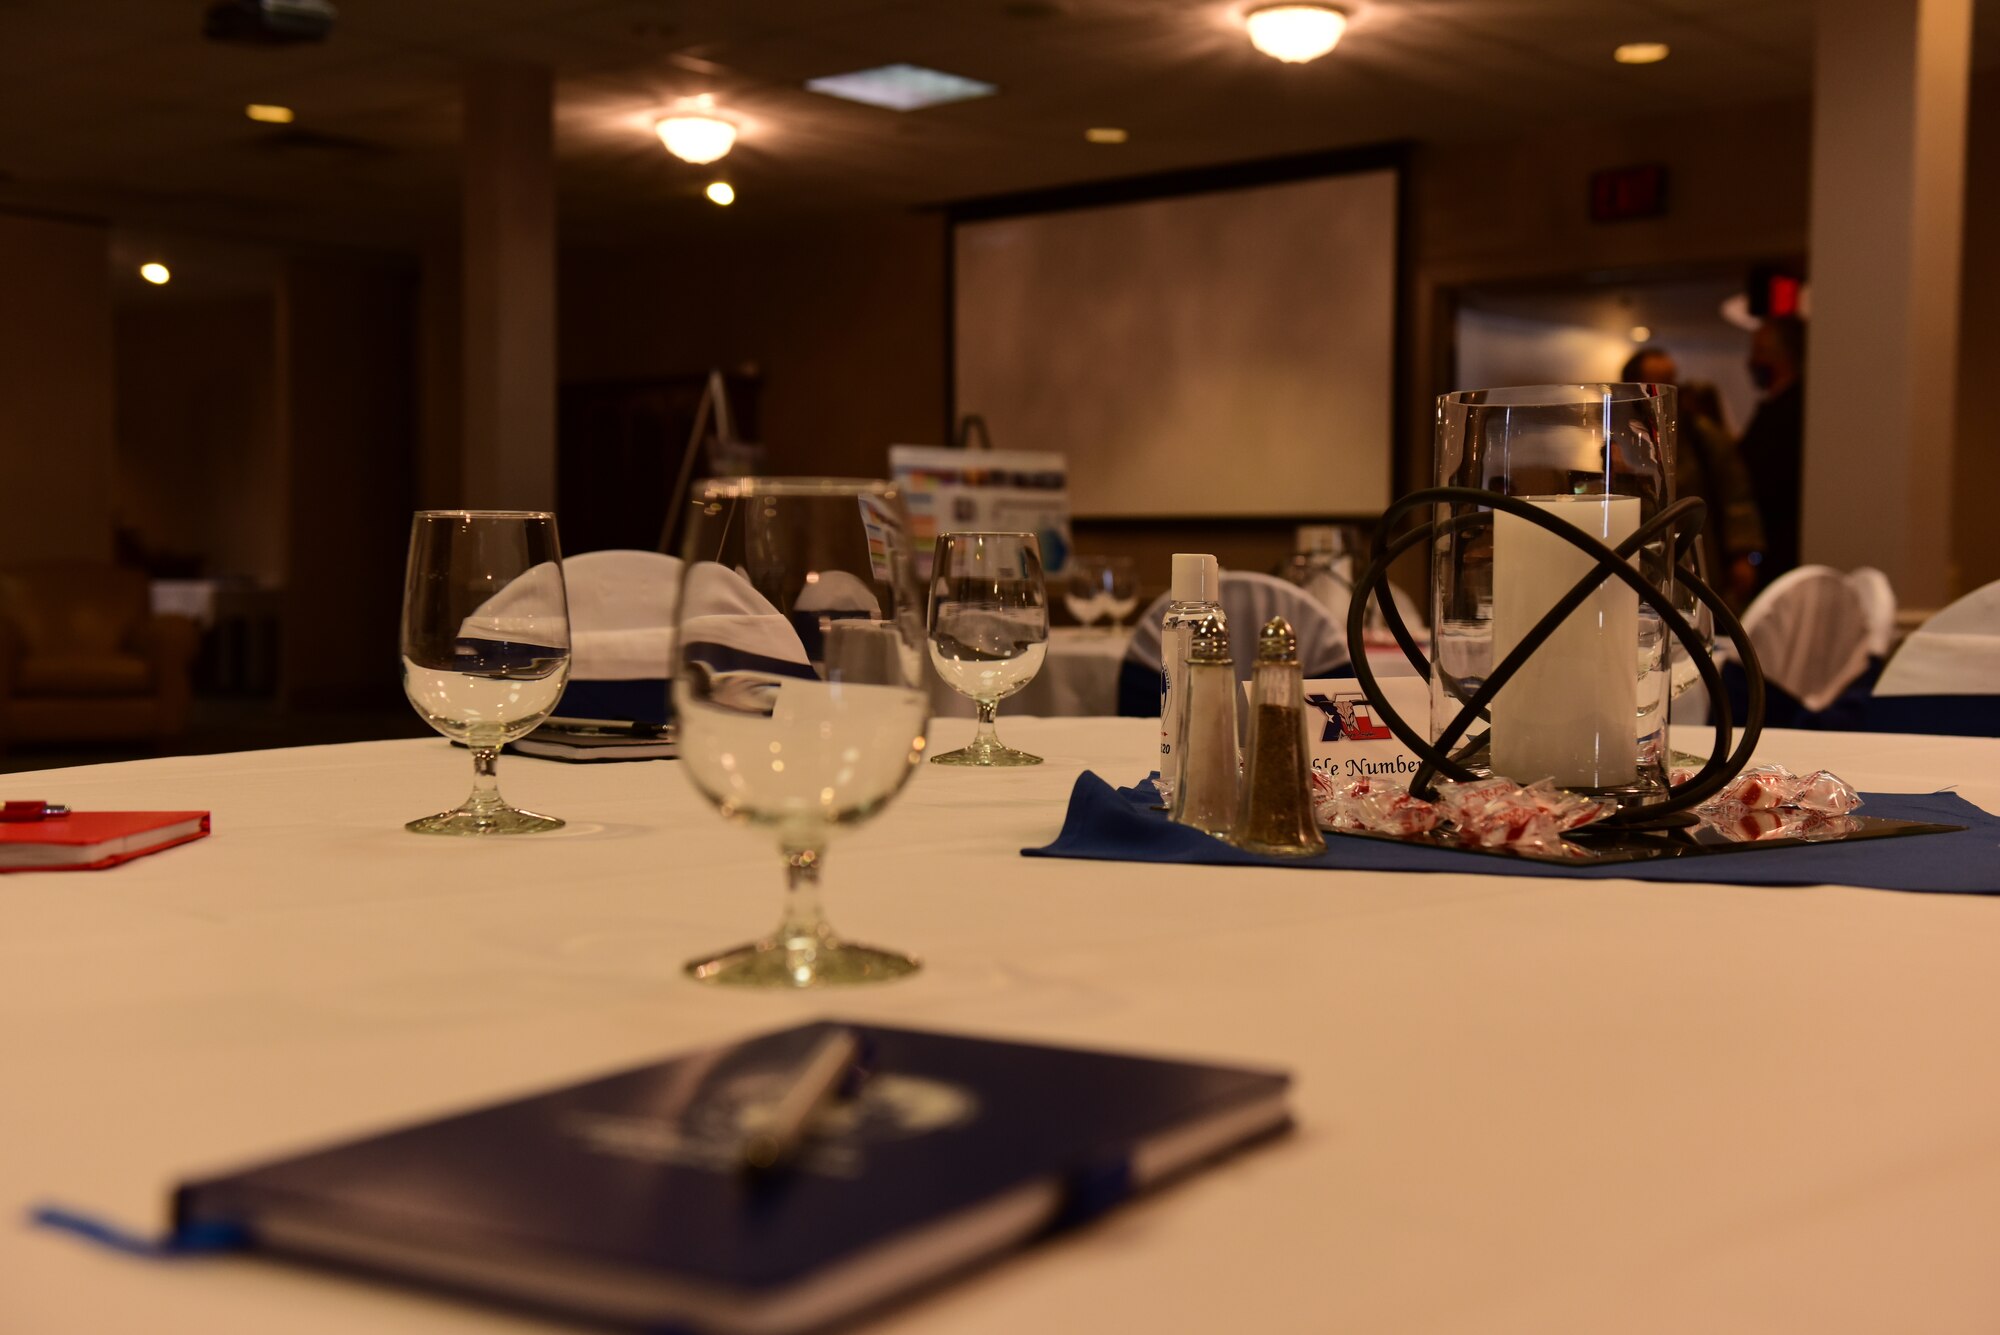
[{"x": 1524, "y": 1105}]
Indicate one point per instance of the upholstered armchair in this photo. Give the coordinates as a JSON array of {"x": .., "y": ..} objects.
[{"x": 83, "y": 658}]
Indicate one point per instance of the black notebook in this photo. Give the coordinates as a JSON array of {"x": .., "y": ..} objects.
[{"x": 626, "y": 1199}]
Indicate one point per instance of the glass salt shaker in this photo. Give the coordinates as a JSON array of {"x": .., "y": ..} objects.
[
  {"x": 1207, "y": 795},
  {"x": 1277, "y": 815}
]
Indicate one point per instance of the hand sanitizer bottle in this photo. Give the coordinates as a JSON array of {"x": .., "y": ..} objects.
[{"x": 1196, "y": 588}]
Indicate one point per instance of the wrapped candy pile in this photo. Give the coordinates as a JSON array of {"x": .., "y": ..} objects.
[
  {"x": 1770, "y": 802},
  {"x": 1767, "y": 802},
  {"x": 1370, "y": 805},
  {"x": 1487, "y": 813}
]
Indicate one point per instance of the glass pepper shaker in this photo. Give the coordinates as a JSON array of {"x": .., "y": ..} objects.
[
  {"x": 1277, "y": 815},
  {"x": 1207, "y": 795}
]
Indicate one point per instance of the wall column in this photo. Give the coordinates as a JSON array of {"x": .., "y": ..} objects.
[
  {"x": 56, "y": 391},
  {"x": 1888, "y": 181},
  {"x": 509, "y": 303}
]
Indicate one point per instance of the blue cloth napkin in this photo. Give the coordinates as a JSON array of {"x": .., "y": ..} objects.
[{"x": 1119, "y": 825}]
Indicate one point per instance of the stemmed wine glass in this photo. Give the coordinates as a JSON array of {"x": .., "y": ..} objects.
[
  {"x": 1083, "y": 590},
  {"x": 485, "y": 646},
  {"x": 1100, "y": 586},
  {"x": 1121, "y": 594},
  {"x": 989, "y": 630},
  {"x": 797, "y": 691}
]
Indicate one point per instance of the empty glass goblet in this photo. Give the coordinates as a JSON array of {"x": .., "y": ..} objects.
[
  {"x": 485, "y": 646},
  {"x": 1120, "y": 590},
  {"x": 1100, "y": 586},
  {"x": 989, "y": 630},
  {"x": 797, "y": 692},
  {"x": 1083, "y": 589}
]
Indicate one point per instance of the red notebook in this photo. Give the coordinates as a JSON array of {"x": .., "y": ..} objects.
[{"x": 86, "y": 840}]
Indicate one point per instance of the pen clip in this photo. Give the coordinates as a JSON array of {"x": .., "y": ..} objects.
[{"x": 17, "y": 813}]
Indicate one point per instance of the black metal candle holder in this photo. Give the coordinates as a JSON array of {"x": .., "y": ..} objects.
[{"x": 1679, "y": 524}]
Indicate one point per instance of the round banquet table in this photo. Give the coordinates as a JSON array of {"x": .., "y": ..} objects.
[{"x": 1523, "y": 1104}]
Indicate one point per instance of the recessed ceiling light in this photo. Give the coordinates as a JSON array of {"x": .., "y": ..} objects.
[
  {"x": 1640, "y": 333},
  {"x": 901, "y": 87},
  {"x": 696, "y": 138},
  {"x": 1640, "y": 53},
  {"x": 721, "y": 192},
  {"x": 155, "y": 273},
  {"x": 1106, "y": 134},
  {"x": 1295, "y": 33},
  {"x": 268, "y": 114}
]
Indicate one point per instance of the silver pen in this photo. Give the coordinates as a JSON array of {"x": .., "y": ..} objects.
[{"x": 779, "y": 1129}]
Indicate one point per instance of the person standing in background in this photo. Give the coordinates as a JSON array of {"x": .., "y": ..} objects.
[
  {"x": 1707, "y": 465},
  {"x": 1773, "y": 445},
  {"x": 1738, "y": 527}
]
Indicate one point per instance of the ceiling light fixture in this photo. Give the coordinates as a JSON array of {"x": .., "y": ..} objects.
[
  {"x": 1640, "y": 53},
  {"x": 155, "y": 273},
  {"x": 1293, "y": 33},
  {"x": 721, "y": 192},
  {"x": 696, "y": 138},
  {"x": 1106, "y": 134},
  {"x": 901, "y": 87},
  {"x": 1640, "y": 333},
  {"x": 268, "y": 114}
]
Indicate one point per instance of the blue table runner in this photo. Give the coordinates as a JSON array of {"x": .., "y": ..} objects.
[{"x": 1119, "y": 825}]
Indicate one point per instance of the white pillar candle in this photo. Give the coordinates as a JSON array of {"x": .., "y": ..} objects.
[{"x": 1571, "y": 712}]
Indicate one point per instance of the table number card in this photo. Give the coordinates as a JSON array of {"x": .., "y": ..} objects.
[{"x": 1344, "y": 737}]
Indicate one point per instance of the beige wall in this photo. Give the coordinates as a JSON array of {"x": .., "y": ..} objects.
[
  {"x": 1976, "y": 462},
  {"x": 55, "y": 390},
  {"x": 848, "y": 324},
  {"x": 200, "y": 468},
  {"x": 845, "y": 321},
  {"x": 1518, "y": 209}
]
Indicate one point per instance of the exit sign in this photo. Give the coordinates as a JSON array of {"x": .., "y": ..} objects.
[{"x": 1620, "y": 194}]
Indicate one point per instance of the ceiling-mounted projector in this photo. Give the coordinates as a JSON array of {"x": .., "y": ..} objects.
[{"x": 269, "y": 22}]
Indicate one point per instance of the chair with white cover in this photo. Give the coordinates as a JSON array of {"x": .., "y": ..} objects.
[
  {"x": 622, "y": 609},
  {"x": 1810, "y": 632},
  {"x": 1945, "y": 679},
  {"x": 739, "y": 647},
  {"x": 1248, "y": 601},
  {"x": 1334, "y": 590},
  {"x": 621, "y": 633},
  {"x": 1878, "y": 603}
]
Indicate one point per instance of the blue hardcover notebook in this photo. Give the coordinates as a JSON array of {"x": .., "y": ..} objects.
[{"x": 624, "y": 1199}]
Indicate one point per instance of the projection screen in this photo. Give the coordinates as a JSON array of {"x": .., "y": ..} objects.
[{"x": 1224, "y": 353}]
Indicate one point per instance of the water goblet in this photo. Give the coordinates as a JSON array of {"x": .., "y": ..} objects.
[
  {"x": 989, "y": 630},
  {"x": 485, "y": 646},
  {"x": 773, "y": 566},
  {"x": 1120, "y": 590},
  {"x": 1083, "y": 589}
]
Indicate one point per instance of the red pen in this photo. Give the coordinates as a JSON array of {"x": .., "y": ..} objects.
[{"x": 17, "y": 812}]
